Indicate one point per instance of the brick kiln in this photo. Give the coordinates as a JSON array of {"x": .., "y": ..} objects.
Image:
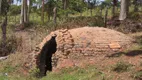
[{"x": 76, "y": 47}]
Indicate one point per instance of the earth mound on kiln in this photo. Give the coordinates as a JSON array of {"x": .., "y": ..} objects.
[{"x": 80, "y": 46}]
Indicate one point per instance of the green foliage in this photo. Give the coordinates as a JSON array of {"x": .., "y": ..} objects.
[
  {"x": 138, "y": 75},
  {"x": 3, "y": 77},
  {"x": 9, "y": 46},
  {"x": 14, "y": 10},
  {"x": 8, "y": 68},
  {"x": 76, "y": 73},
  {"x": 34, "y": 72},
  {"x": 50, "y": 6},
  {"x": 4, "y": 7},
  {"x": 121, "y": 67},
  {"x": 135, "y": 16},
  {"x": 77, "y": 5}
]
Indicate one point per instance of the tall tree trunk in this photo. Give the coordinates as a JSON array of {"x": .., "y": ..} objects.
[
  {"x": 23, "y": 18},
  {"x": 65, "y": 3},
  {"x": 124, "y": 9},
  {"x": 91, "y": 12},
  {"x": 16, "y": 15},
  {"x": 15, "y": 18},
  {"x": 48, "y": 16},
  {"x": 25, "y": 11},
  {"x": 127, "y": 6},
  {"x": 105, "y": 17},
  {"x": 22, "y": 13},
  {"x": 101, "y": 11},
  {"x": 0, "y": 5},
  {"x": 29, "y": 7},
  {"x": 135, "y": 5},
  {"x": 114, "y": 7},
  {"x": 55, "y": 15},
  {"x": 42, "y": 15},
  {"x": 3, "y": 28}
]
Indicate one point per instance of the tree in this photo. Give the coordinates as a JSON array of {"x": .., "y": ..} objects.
[
  {"x": 31, "y": 2},
  {"x": 14, "y": 10},
  {"x": 124, "y": 9},
  {"x": 91, "y": 4},
  {"x": 50, "y": 6},
  {"x": 114, "y": 7},
  {"x": 77, "y": 6},
  {"x": 42, "y": 15},
  {"x": 29, "y": 7},
  {"x": 0, "y": 5},
  {"x": 55, "y": 15},
  {"x": 22, "y": 13},
  {"x": 25, "y": 11},
  {"x": 5, "y": 4},
  {"x": 24, "y": 18},
  {"x": 111, "y": 3},
  {"x": 135, "y": 5},
  {"x": 65, "y": 3}
]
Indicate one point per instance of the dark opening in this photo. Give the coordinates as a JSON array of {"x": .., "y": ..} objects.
[{"x": 45, "y": 56}]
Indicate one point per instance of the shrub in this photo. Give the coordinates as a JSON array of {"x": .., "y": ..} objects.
[
  {"x": 10, "y": 45},
  {"x": 34, "y": 72},
  {"x": 138, "y": 75},
  {"x": 135, "y": 16},
  {"x": 121, "y": 67}
]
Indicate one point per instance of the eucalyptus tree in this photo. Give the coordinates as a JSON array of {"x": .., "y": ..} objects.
[
  {"x": 114, "y": 3},
  {"x": 91, "y": 5},
  {"x": 30, "y": 4},
  {"x": 0, "y": 5},
  {"x": 5, "y": 4},
  {"x": 65, "y": 5},
  {"x": 42, "y": 15},
  {"x": 24, "y": 17},
  {"x": 124, "y": 9}
]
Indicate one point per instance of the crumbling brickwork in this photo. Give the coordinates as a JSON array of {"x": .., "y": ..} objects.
[{"x": 79, "y": 43}]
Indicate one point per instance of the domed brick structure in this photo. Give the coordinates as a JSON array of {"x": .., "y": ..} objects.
[{"x": 76, "y": 47}]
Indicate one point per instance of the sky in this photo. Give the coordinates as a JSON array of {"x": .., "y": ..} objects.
[{"x": 15, "y": 1}]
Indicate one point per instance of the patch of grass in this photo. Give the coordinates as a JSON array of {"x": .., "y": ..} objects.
[
  {"x": 138, "y": 75},
  {"x": 87, "y": 73},
  {"x": 8, "y": 68},
  {"x": 34, "y": 72},
  {"x": 121, "y": 67},
  {"x": 3, "y": 77}
]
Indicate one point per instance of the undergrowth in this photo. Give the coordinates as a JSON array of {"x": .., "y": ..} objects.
[
  {"x": 121, "y": 67},
  {"x": 138, "y": 75},
  {"x": 76, "y": 73},
  {"x": 10, "y": 45}
]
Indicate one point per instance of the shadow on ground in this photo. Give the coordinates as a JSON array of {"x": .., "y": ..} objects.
[{"x": 130, "y": 53}]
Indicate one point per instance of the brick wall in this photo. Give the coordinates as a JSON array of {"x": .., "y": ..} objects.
[{"x": 81, "y": 42}]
